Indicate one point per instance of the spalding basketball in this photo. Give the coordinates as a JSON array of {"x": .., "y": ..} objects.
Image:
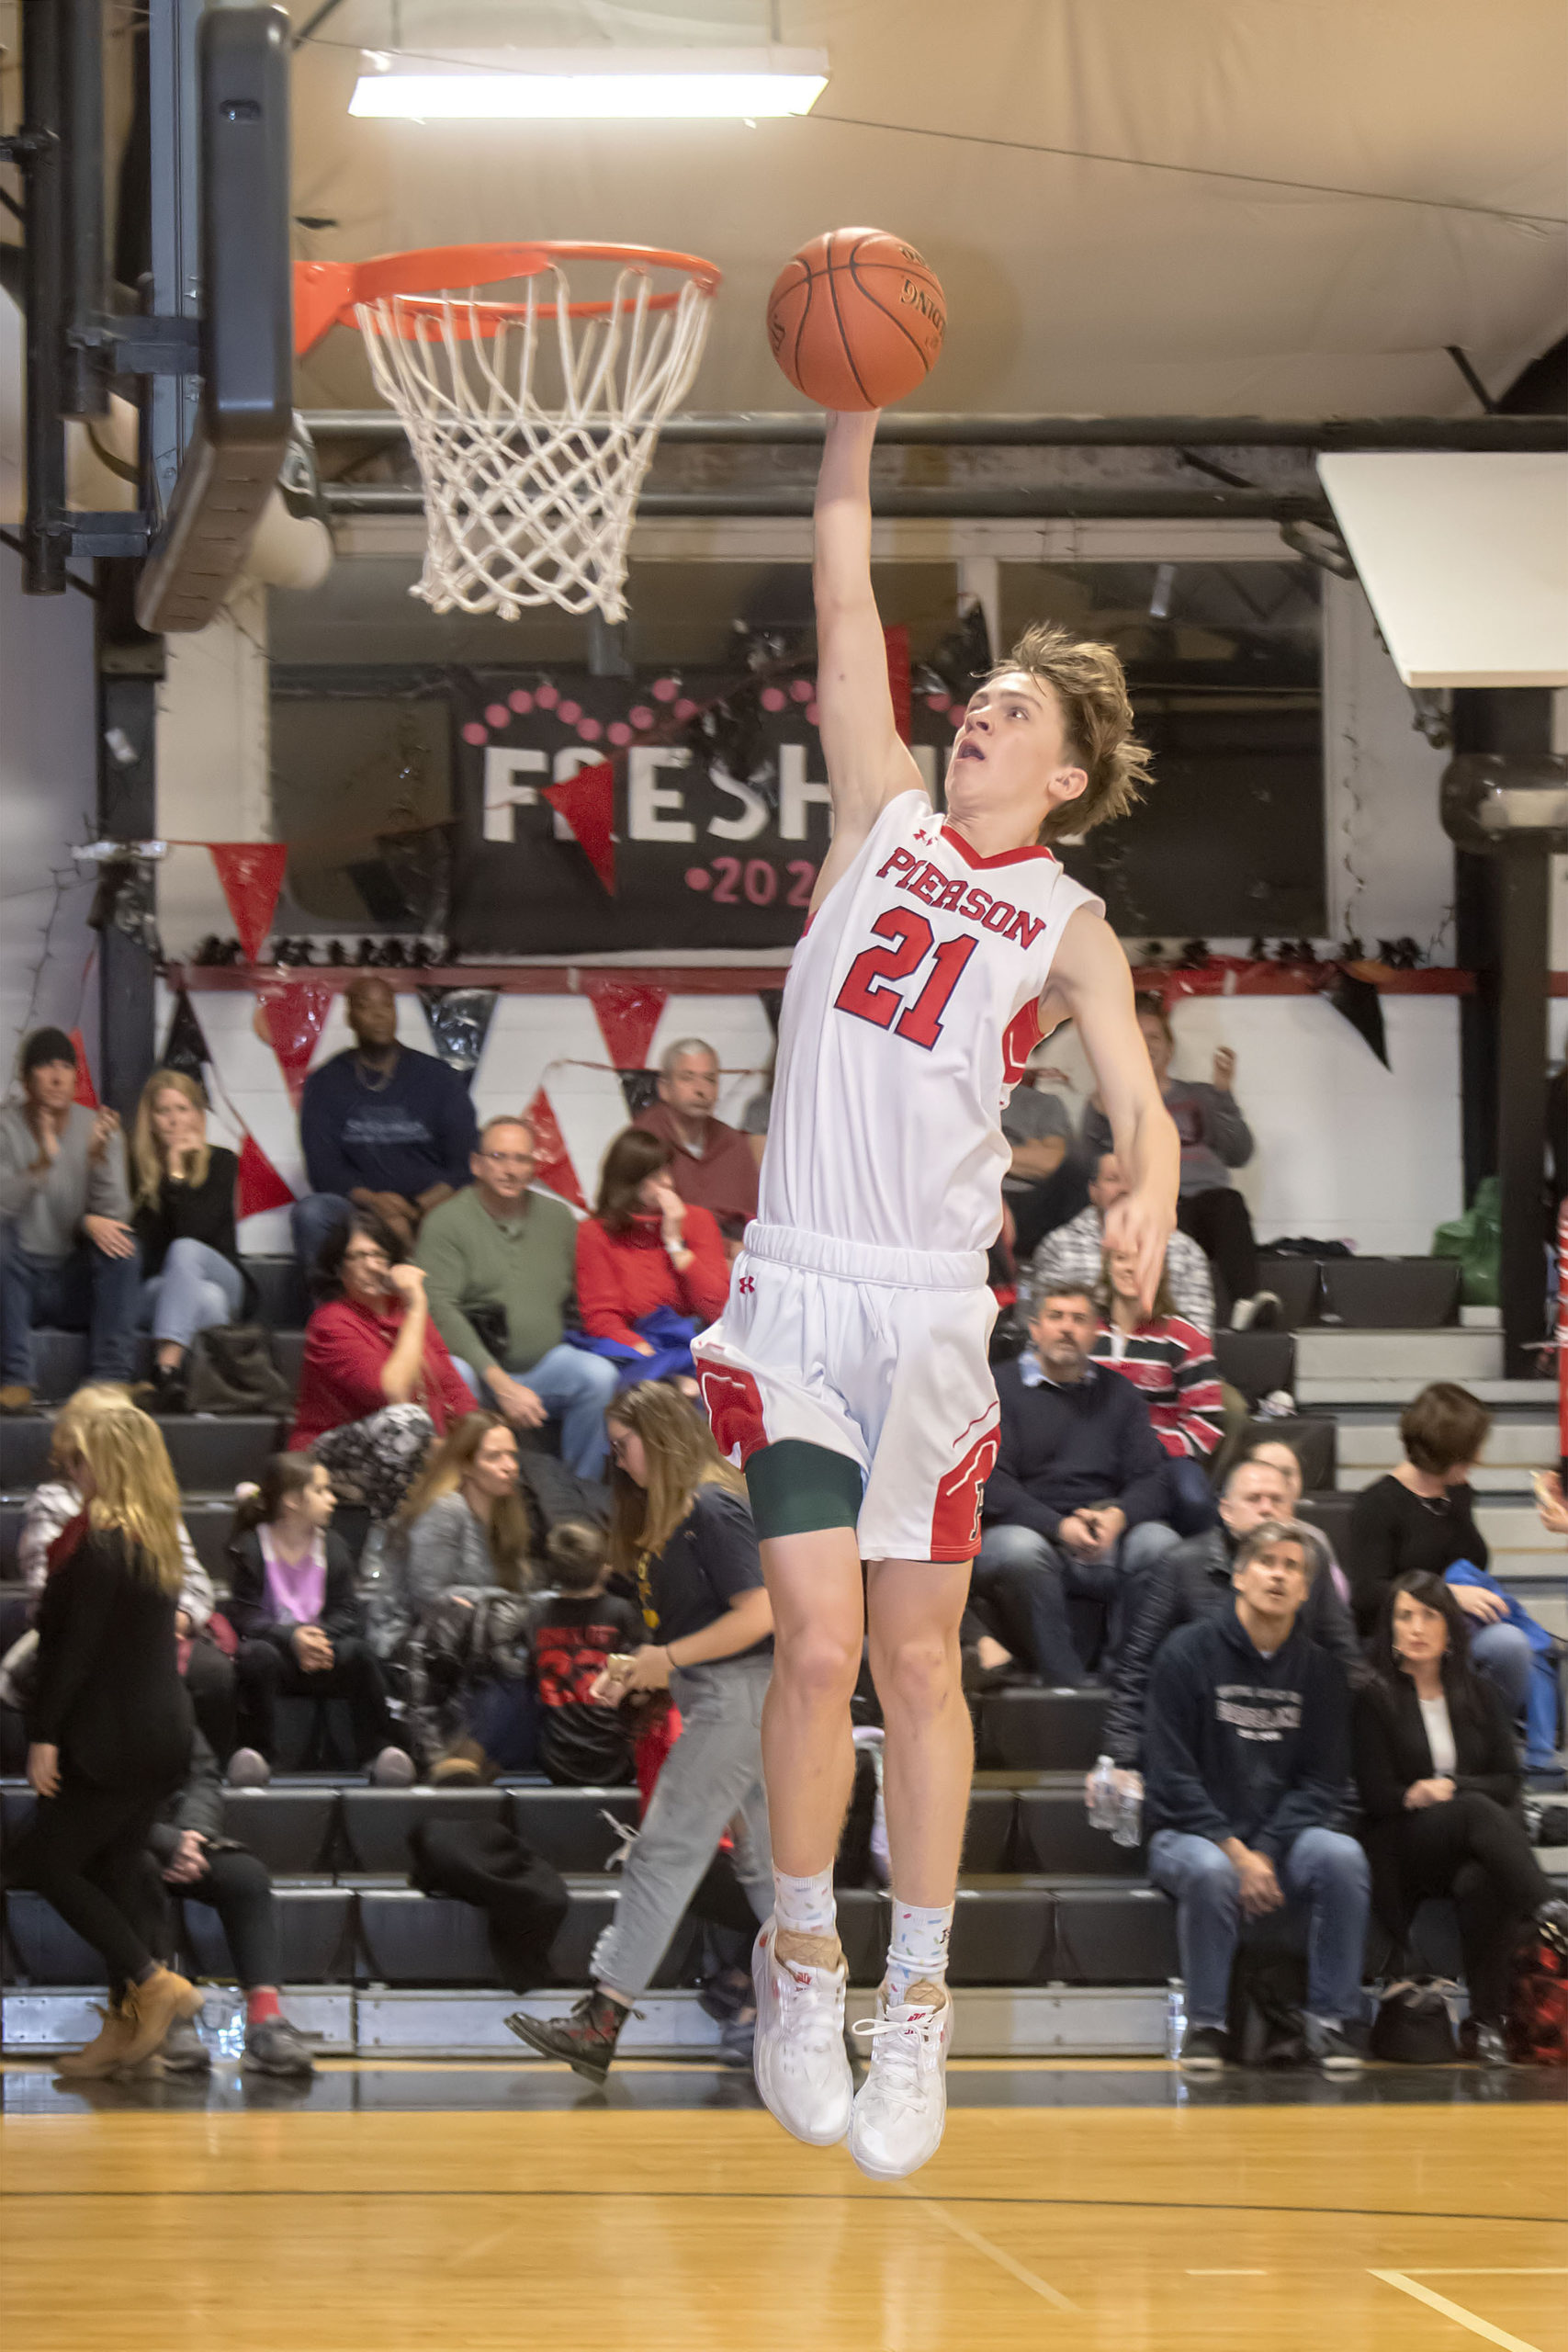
[{"x": 856, "y": 319}]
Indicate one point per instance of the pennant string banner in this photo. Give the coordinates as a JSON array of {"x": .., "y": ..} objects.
[
  {"x": 259, "y": 1185},
  {"x": 628, "y": 1015},
  {"x": 294, "y": 1017},
  {"x": 251, "y": 875},
  {"x": 555, "y": 1168},
  {"x": 86, "y": 1092},
  {"x": 587, "y": 801}
]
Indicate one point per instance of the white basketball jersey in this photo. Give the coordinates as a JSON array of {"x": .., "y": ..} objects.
[{"x": 910, "y": 1013}]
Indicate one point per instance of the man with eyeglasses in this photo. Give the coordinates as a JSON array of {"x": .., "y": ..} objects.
[{"x": 500, "y": 1262}]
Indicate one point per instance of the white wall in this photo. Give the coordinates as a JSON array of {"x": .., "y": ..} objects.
[
  {"x": 1345, "y": 1150},
  {"x": 1390, "y": 864},
  {"x": 48, "y": 802},
  {"x": 214, "y": 739}
]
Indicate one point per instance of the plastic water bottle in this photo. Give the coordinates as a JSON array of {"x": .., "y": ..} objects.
[
  {"x": 221, "y": 2025},
  {"x": 1129, "y": 1827},
  {"x": 1175, "y": 2016},
  {"x": 1102, "y": 1795}
]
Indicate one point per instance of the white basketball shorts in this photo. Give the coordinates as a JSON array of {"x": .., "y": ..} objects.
[{"x": 879, "y": 1355}]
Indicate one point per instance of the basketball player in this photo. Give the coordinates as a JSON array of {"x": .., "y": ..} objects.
[{"x": 848, "y": 1371}]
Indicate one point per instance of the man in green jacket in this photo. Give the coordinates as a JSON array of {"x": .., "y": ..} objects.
[{"x": 508, "y": 1255}]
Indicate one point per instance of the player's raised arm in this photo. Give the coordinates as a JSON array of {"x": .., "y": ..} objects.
[
  {"x": 868, "y": 763},
  {"x": 1091, "y": 984}
]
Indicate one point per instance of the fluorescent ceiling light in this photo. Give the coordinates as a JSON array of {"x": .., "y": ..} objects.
[{"x": 611, "y": 85}]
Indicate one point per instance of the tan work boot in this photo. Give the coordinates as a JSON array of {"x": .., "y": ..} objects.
[
  {"x": 15, "y": 1398},
  {"x": 152, "y": 2008},
  {"x": 106, "y": 2053}
]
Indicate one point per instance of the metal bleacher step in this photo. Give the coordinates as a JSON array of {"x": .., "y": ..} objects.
[
  {"x": 1448, "y": 1353},
  {"x": 210, "y": 1454}
]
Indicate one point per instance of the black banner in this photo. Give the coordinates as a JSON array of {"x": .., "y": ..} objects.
[{"x": 720, "y": 811}]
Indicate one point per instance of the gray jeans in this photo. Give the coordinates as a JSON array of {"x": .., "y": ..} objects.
[{"x": 714, "y": 1771}]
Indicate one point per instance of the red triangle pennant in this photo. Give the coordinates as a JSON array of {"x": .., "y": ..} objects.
[
  {"x": 86, "y": 1092},
  {"x": 897, "y": 641},
  {"x": 587, "y": 801},
  {"x": 555, "y": 1168},
  {"x": 628, "y": 1015},
  {"x": 251, "y": 875},
  {"x": 293, "y": 1017},
  {"x": 260, "y": 1186}
]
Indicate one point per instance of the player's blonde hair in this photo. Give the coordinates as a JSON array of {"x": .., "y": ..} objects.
[{"x": 1097, "y": 716}]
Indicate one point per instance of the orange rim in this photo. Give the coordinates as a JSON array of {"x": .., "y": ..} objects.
[{"x": 328, "y": 293}]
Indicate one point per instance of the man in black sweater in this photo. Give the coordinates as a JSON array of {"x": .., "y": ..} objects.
[
  {"x": 1247, "y": 1755},
  {"x": 1074, "y": 1503},
  {"x": 1194, "y": 1581}
]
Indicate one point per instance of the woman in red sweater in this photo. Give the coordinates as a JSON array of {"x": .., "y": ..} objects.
[
  {"x": 648, "y": 1262},
  {"x": 377, "y": 1382}
]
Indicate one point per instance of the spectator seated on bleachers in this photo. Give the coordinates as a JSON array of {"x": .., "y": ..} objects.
[
  {"x": 1215, "y": 1140},
  {"x": 1075, "y": 1504},
  {"x": 1440, "y": 1780},
  {"x": 1076, "y": 1253},
  {"x": 53, "y": 1521},
  {"x": 292, "y": 1601},
  {"x": 501, "y": 1256},
  {"x": 650, "y": 1270},
  {"x": 200, "y": 1863},
  {"x": 1171, "y": 1364},
  {"x": 449, "y": 1609},
  {"x": 682, "y": 1528},
  {"x": 1282, "y": 1458},
  {"x": 574, "y": 1627},
  {"x": 1045, "y": 1186},
  {"x": 377, "y": 1381},
  {"x": 1246, "y": 1757},
  {"x": 383, "y": 1127},
  {"x": 68, "y": 1256},
  {"x": 712, "y": 1165},
  {"x": 1195, "y": 1582},
  {"x": 1421, "y": 1518},
  {"x": 191, "y": 1275}
]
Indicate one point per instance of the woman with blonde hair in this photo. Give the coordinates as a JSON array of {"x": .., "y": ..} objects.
[
  {"x": 109, "y": 1730},
  {"x": 681, "y": 1529},
  {"x": 53, "y": 1519},
  {"x": 184, "y": 1216}
]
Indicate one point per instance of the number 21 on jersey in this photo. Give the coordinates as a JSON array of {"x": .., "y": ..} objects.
[{"x": 872, "y": 988}]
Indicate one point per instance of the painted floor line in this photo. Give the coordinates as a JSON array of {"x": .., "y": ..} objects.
[
  {"x": 972, "y": 2237},
  {"x": 1456, "y": 2311}
]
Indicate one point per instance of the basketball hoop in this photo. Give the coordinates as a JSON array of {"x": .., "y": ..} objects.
[{"x": 529, "y": 491}]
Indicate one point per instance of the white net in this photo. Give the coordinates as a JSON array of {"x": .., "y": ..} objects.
[{"x": 529, "y": 503}]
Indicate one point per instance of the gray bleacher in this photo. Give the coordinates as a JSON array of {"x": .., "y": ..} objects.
[{"x": 1059, "y": 1942}]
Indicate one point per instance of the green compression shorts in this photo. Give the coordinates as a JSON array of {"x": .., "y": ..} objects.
[{"x": 797, "y": 1489}]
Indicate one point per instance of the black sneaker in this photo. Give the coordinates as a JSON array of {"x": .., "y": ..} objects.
[
  {"x": 277, "y": 2048},
  {"x": 585, "y": 2040},
  {"x": 1550, "y": 1923},
  {"x": 1203, "y": 2051},
  {"x": 1330, "y": 2048}
]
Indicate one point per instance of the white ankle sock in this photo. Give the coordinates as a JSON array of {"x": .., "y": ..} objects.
[
  {"x": 804, "y": 1906},
  {"x": 917, "y": 1952}
]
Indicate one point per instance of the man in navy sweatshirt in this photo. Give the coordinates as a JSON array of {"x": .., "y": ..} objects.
[
  {"x": 1246, "y": 1760},
  {"x": 1074, "y": 1503},
  {"x": 384, "y": 1128}
]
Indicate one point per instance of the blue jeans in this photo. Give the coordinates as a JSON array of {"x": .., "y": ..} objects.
[
  {"x": 575, "y": 1387},
  {"x": 1194, "y": 1506},
  {"x": 1025, "y": 1579},
  {"x": 87, "y": 1292},
  {"x": 1323, "y": 1874},
  {"x": 313, "y": 1221},
  {"x": 196, "y": 1289}
]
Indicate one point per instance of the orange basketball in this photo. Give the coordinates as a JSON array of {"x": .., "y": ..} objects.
[{"x": 856, "y": 319}]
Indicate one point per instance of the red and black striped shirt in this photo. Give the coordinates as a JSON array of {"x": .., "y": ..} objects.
[{"x": 1171, "y": 1363}]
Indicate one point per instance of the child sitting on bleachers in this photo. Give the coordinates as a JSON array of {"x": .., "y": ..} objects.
[{"x": 573, "y": 1629}]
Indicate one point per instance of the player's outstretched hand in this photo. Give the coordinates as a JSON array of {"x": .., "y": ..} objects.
[{"x": 1142, "y": 1226}]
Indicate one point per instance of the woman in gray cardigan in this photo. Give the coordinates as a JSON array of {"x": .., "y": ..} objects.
[{"x": 448, "y": 1602}]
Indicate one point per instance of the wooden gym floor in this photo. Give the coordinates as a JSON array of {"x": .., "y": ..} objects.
[{"x": 1092, "y": 2207}]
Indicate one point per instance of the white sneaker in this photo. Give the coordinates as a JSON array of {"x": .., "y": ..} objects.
[
  {"x": 798, "y": 2057},
  {"x": 901, "y": 2109}
]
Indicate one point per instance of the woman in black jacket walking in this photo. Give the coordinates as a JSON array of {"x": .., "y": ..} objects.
[
  {"x": 1439, "y": 1775},
  {"x": 109, "y": 1730}
]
